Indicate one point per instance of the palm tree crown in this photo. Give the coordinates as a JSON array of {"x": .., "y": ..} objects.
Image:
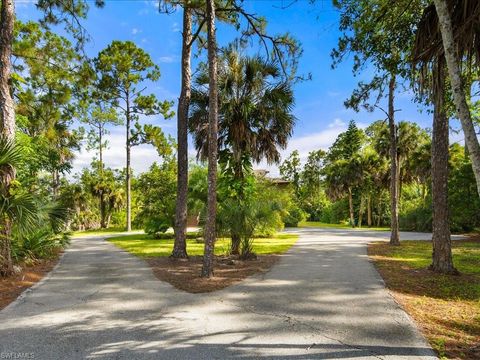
[{"x": 255, "y": 105}]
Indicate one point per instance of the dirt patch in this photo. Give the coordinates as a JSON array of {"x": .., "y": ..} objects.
[
  {"x": 185, "y": 274},
  {"x": 12, "y": 286}
]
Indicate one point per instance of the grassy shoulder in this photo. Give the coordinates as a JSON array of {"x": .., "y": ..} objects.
[
  {"x": 94, "y": 232},
  {"x": 318, "y": 224},
  {"x": 143, "y": 245},
  {"x": 184, "y": 274},
  {"x": 447, "y": 308}
]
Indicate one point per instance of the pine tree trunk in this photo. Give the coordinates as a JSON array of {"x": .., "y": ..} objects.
[
  {"x": 103, "y": 211},
  {"x": 7, "y": 126},
  {"x": 394, "y": 173},
  {"x": 210, "y": 229},
  {"x": 369, "y": 210},
  {"x": 350, "y": 208},
  {"x": 180, "y": 245},
  {"x": 128, "y": 170},
  {"x": 458, "y": 91},
  {"x": 442, "y": 261}
]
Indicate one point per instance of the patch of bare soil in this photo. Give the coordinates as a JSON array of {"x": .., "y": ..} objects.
[
  {"x": 12, "y": 286},
  {"x": 184, "y": 274}
]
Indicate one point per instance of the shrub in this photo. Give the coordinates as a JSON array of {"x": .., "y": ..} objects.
[{"x": 294, "y": 216}]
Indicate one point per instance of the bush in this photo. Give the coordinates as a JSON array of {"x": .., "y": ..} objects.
[
  {"x": 39, "y": 244},
  {"x": 294, "y": 216},
  {"x": 156, "y": 225}
]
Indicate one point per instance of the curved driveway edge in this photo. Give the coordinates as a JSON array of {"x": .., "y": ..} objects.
[{"x": 323, "y": 300}]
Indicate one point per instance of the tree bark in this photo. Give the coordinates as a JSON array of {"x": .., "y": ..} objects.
[
  {"x": 394, "y": 173},
  {"x": 180, "y": 245},
  {"x": 210, "y": 228},
  {"x": 369, "y": 211},
  {"x": 235, "y": 246},
  {"x": 103, "y": 205},
  {"x": 7, "y": 126},
  {"x": 128, "y": 170},
  {"x": 458, "y": 91},
  {"x": 442, "y": 261},
  {"x": 360, "y": 211},
  {"x": 350, "y": 207}
]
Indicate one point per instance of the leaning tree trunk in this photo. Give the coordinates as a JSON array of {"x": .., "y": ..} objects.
[
  {"x": 7, "y": 126},
  {"x": 458, "y": 91},
  {"x": 442, "y": 244},
  {"x": 180, "y": 245},
  {"x": 128, "y": 170},
  {"x": 210, "y": 229},
  {"x": 394, "y": 173}
]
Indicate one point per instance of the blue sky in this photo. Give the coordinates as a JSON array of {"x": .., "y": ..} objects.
[{"x": 319, "y": 108}]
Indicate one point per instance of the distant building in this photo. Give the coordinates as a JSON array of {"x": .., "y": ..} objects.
[{"x": 262, "y": 174}]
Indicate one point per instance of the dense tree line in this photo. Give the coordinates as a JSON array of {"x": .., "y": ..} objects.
[
  {"x": 350, "y": 181},
  {"x": 239, "y": 110}
]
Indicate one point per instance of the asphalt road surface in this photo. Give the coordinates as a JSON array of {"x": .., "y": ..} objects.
[{"x": 322, "y": 300}]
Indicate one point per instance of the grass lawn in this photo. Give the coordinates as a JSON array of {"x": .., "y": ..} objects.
[
  {"x": 107, "y": 231},
  {"x": 446, "y": 307},
  {"x": 185, "y": 274},
  {"x": 145, "y": 246},
  {"x": 319, "y": 224}
]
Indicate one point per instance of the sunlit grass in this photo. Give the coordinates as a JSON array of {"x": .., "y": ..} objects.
[
  {"x": 94, "y": 232},
  {"x": 446, "y": 306},
  {"x": 145, "y": 246},
  {"x": 318, "y": 224}
]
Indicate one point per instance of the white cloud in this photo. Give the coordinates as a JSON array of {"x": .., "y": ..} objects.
[
  {"x": 168, "y": 59},
  {"x": 136, "y": 31},
  {"x": 306, "y": 143},
  {"x": 175, "y": 27},
  {"x": 337, "y": 122}
]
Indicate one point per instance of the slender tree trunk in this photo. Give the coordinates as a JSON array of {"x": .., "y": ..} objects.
[
  {"x": 360, "y": 211},
  {"x": 128, "y": 170},
  {"x": 210, "y": 229},
  {"x": 180, "y": 245},
  {"x": 7, "y": 126},
  {"x": 350, "y": 207},
  {"x": 442, "y": 261},
  {"x": 394, "y": 173},
  {"x": 103, "y": 205},
  {"x": 458, "y": 91},
  {"x": 55, "y": 183},
  {"x": 369, "y": 210},
  {"x": 100, "y": 148}
]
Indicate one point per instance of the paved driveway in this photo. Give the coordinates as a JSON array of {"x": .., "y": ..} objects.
[{"x": 323, "y": 300}]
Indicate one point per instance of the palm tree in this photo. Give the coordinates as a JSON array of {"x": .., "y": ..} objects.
[
  {"x": 457, "y": 25},
  {"x": 255, "y": 105},
  {"x": 18, "y": 210},
  {"x": 432, "y": 64}
]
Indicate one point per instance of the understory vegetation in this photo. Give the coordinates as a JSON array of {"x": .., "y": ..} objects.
[{"x": 349, "y": 184}]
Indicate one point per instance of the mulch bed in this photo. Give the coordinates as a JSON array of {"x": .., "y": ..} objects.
[
  {"x": 184, "y": 274},
  {"x": 12, "y": 286}
]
